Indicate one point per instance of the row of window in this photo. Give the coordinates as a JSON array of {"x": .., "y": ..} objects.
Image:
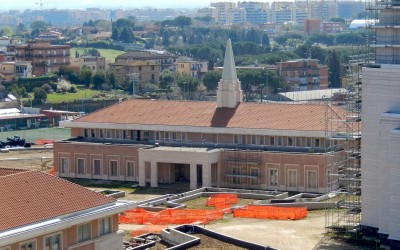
[
  {"x": 181, "y": 136},
  {"x": 273, "y": 178},
  {"x": 54, "y": 241},
  {"x": 97, "y": 167}
]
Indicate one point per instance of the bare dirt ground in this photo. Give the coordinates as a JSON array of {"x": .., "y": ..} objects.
[
  {"x": 281, "y": 234},
  {"x": 28, "y": 159}
]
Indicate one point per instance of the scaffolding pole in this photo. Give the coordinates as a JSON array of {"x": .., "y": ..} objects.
[{"x": 343, "y": 132}]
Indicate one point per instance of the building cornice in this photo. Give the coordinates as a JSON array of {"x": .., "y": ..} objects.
[
  {"x": 14, "y": 235},
  {"x": 194, "y": 129}
]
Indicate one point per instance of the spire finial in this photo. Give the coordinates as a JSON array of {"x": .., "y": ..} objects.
[{"x": 229, "y": 71}]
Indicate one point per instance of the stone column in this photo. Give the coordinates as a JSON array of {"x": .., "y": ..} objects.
[
  {"x": 193, "y": 176},
  {"x": 206, "y": 174},
  {"x": 154, "y": 174},
  {"x": 142, "y": 174}
]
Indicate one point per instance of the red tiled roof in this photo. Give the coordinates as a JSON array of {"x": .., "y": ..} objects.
[
  {"x": 306, "y": 117},
  {"x": 8, "y": 171},
  {"x": 32, "y": 196}
]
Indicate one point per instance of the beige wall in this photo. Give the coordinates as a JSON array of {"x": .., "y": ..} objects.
[{"x": 69, "y": 237}]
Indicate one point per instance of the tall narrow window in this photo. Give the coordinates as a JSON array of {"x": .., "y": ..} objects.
[
  {"x": 290, "y": 141},
  {"x": 273, "y": 177},
  {"x": 292, "y": 178},
  {"x": 104, "y": 226},
  {"x": 97, "y": 167},
  {"x": 272, "y": 140},
  {"x": 80, "y": 165},
  {"x": 53, "y": 242},
  {"x": 64, "y": 165},
  {"x": 29, "y": 245},
  {"x": 130, "y": 168},
  {"x": 84, "y": 232},
  {"x": 312, "y": 179},
  {"x": 113, "y": 168}
]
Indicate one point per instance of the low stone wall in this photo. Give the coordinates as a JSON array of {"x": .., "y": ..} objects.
[{"x": 179, "y": 240}]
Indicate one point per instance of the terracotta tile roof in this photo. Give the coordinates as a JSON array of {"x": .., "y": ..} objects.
[
  {"x": 8, "y": 171},
  {"x": 32, "y": 196},
  {"x": 306, "y": 117}
]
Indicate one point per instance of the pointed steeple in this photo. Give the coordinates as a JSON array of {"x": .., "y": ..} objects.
[
  {"x": 229, "y": 93},
  {"x": 229, "y": 71}
]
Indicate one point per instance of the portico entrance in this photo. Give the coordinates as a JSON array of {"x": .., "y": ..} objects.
[{"x": 198, "y": 166}]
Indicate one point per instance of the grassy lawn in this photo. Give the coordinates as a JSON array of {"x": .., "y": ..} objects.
[
  {"x": 41, "y": 133},
  {"x": 70, "y": 97},
  {"x": 109, "y": 54}
]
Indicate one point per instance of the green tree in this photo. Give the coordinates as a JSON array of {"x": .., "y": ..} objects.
[
  {"x": 338, "y": 19},
  {"x": 116, "y": 33},
  {"x": 98, "y": 80},
  {"x": 188, "y": 85},
  {"x": 112, "y": 80},
  {"x": 182, "y": 21},
  {"x": 126, "y": 35},
  {"x": 39, "y": 95},
  {"x": 334, "y": 69},
  {"x": 265, "y": 40},
  {"x": 6, "y": 31},
  {"x": 85, "y": 76},
  {"x": 167, "y": 77},
  {"x": 46, "y": 87},
  {"x": 211, "y": 79},
  {"x": 40, "y": 25}
]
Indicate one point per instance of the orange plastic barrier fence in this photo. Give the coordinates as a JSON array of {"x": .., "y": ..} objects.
[
  {"x": 51, "y": 171},
  {"x": 169, "y": 216},
  {"x": 43, "y": 141},
  {"x": 270, "y": 212},
  {"x": 148, "y": 229},
  {"x": 222, "y": 199}
]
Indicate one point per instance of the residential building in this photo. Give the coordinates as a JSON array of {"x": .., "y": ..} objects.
[
  {"x": 165, "y": 59},
  {"x": 380, "y": 144},
  {"x": 210, "y": 12},
  {"x": 256, "y": 12},
  {"x": 304, "y": 74},
  {"x": 148, "y": 71},
  {"x": 332, "y": 27},
  {"x": 95, "y": 63},
  {"x": 192, "y": 68},
  {"x": 45, "y": 58},
  {"x": 312, "y": 26},
  {"x": 316, "y": 26},
  {"x": 281, "y": 12},
  {"x": 222, "y": 9},
  {"x": 50, "y": 35},
  {"x": 227, "y": 143},
  {"x": 40, "y": 211},
  {"x": 11, "y": 70},
  {"x": 350, "y": 9}
]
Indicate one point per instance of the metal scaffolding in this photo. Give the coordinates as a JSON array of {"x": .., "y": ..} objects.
[
  {"x": 242, "y": 169},
  {"x": 343, "y": 133}
]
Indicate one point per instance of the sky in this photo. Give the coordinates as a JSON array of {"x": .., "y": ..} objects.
[{"x": 123, "y": 4}]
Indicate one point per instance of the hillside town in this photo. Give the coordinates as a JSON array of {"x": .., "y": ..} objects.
[{"x": 237, "y": 125}]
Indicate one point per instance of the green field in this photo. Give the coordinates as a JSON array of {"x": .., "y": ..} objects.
[
  {"x": 70, "y": 97},
  {"x": 109, "y": 54},
  {"x": 41, "y": 133}
]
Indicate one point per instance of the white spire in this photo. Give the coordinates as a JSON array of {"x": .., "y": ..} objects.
[
  {"x": 229, "y": 93},
  {"x": 229, "y": 71}
]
